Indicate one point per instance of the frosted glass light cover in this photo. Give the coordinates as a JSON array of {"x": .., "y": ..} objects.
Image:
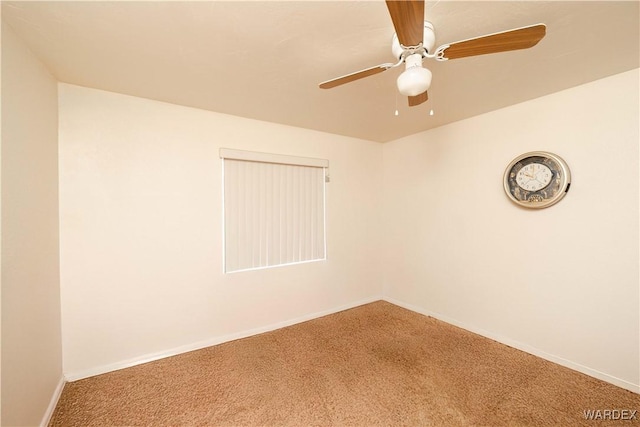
[{"x": 413, "y": 81}]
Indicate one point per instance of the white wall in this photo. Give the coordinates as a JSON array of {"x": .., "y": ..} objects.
[
  {"x": 31, "y": 338},
  {"x": 141, "y": 230},
  {"x": 561, "y": 282}
]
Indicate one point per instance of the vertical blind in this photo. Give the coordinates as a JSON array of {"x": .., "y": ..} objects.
[{"x": 274, "y": 210}]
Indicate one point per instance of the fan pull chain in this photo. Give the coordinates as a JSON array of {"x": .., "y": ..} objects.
[{"x": 396, "y": 113}]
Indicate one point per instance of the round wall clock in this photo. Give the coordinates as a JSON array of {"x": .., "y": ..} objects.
[{"x": 537, "y": 179}]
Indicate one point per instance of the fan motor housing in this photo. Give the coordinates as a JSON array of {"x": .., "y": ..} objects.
[{"x": 428, "y": 41}]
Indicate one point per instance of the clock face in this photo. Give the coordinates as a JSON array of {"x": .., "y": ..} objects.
[
  {"x": 534, "y": 176},
  {"x": 537, "y": 179}
]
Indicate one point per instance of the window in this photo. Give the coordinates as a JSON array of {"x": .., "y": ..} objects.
[{"x": 274, "y": 209}]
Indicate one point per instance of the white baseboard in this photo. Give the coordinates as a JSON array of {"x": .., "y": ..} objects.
[
  {"x": 74, "y": 376},
  {"x": 524, "y": 347},
  {"x": 53, "y": 403}
]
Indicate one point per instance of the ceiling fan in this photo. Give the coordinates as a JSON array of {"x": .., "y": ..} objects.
[{"x": 414, "y": 40}]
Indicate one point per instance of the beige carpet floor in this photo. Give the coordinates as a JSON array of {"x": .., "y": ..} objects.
[{"x": 374, "y": 365}]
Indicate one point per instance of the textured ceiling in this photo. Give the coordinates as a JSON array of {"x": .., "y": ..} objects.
[{"x": 264, "y": 59}]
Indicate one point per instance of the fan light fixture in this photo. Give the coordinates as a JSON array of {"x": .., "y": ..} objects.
[
  {"x": 415, "y": 79},
  {"x": 415, "y": 38}
]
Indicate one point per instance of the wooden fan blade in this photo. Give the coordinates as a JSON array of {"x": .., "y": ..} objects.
[
  {"x": 418, "y": 99},
  {"x": 520, "y": 38},
  {"x": 354, "y": 76},
  {"x": 408, "y": 20}
]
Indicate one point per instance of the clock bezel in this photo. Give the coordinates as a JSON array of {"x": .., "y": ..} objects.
[{"x": 547, "y": 196}]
